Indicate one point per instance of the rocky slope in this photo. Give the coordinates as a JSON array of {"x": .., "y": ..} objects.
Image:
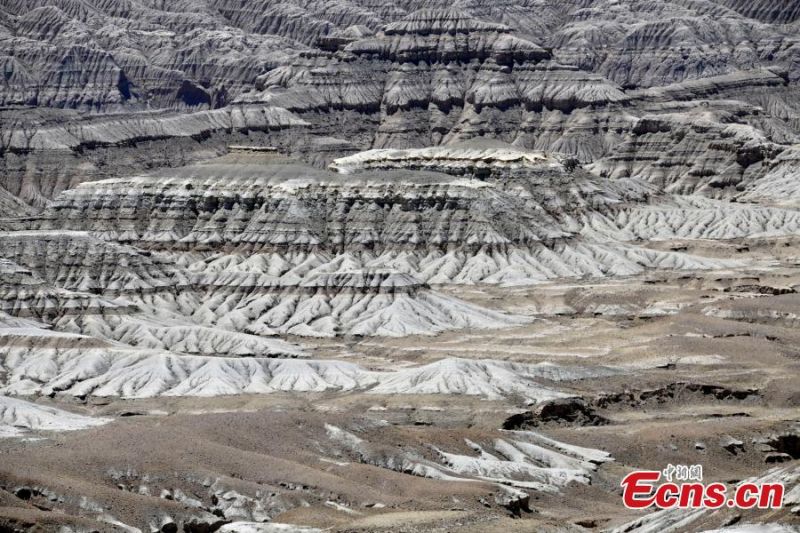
[
  {"x": 205, "y": 53},
  {"x": 19, "y": 416},
  {"x": 291, "y": 222},
  {"x": 216, "y": 259},
  {"x": 436, "y": 76},
  {"x": 39, "y": 364},
  {"x": 614, "y": 84}
]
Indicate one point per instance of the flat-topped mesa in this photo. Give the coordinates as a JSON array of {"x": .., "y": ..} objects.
[
  {"x": 237, "y": 224},
  {"x": 69, "y": 148},
  {"x": 482, "y": 160},
  {"x": 279, "y": 205},
  {"x": 124, "y": 130},
  {"x": 432, "y": 21},
  {"x": 735, "y": 86},
  {"x": 244, "y": 149},
  {"x": 241, "y": 154}
]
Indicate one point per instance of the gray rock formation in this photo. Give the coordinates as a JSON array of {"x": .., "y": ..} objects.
[
  {"x": 274, "y": 216},
  {"x": 435, "y": 76},
  {"x": 324, "y": 209},
  {"x": 209, "y": 259},
  {"x": 114, "y": 55},
  {"x": 615, "y": 84},
  {"x": 654, "y": 99}
]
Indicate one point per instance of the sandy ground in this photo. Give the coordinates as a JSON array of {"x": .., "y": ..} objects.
[{"x": 707, "y": 356}]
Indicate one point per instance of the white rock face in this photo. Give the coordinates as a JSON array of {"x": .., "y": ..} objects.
[
  {"x": 348, "y": 303},
  {"x": 77, "y": 267},
  {"x": 37, "y": 360},
  {"x": 755, "y": 528},
  {"x": 10, "y": 205},
  {"x": 700, "y": 218},
  {"x": 490, "y": 379},
  {"x": 150, "y": 302},
  {"x": 24, "y": 294},
  {"x": 488, "y": 158},
  {"x": 18, "y": 417},
  {"x": 520, "y": 461},
  {"x": 54, "y": 366},
  {"x": 779, "y": 186}
]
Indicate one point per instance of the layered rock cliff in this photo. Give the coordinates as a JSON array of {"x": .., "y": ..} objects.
[
  {"x": 615, "y": 84},
  {"x": 163, "y": 282},
  {"x": 478, "y": 212}
]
